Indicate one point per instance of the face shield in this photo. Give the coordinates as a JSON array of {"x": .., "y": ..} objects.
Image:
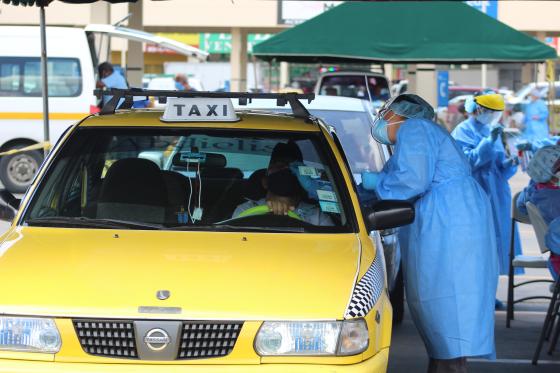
[{"x": 488, "y": 117}]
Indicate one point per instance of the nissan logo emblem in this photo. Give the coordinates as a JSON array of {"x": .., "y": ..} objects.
[
  {"x": 157, "y": 339},
  {"x": 163, "y": 294}
]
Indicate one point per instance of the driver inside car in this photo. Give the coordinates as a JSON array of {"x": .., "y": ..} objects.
[{"x": 284, "y": 194}]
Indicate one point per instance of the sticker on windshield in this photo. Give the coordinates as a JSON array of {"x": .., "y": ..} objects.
[
  {"x": 332, "y": 207},
  {"x": 326, "y": 195},
  {"x": 308, "y": 171},
  {"x": 193, "y": 157}
]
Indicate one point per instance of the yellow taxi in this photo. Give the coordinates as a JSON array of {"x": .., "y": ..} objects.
[{"x": 195, "y": 239}]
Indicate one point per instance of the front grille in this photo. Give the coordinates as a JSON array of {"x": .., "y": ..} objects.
[
  {"x": 207, "y": 339},
  {"x": 110, "y": 338}
]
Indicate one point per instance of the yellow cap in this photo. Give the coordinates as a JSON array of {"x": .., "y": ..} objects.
[{"x": 492, "y": 101}]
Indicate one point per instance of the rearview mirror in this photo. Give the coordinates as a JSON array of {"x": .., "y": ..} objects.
[
  {"x": 9, "y": 205},
  {"x": 389, "y": 214}
]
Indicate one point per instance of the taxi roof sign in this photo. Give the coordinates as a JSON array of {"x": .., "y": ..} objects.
[
  {"x": 118, "y": 95},
  {"x": 199, "y": 109}
]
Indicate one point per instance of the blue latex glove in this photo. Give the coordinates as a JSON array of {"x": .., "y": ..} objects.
[
  {"x": 366, "y": 197},
  {"x": 510, "y": 162},
  {"x": 370, "y": 180},
  {"x": 525, "y": 145},
  {"x": 495, "y": 132}
]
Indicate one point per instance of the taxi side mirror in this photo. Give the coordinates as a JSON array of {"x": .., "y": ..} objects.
[
  {"x": 9, "y": 205},
  {"x": 389, "y": 214}
]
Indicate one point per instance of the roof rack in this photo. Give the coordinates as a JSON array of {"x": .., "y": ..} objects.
[{"x": 128, "y": 95}]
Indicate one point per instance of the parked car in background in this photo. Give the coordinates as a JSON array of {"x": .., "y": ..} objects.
[
  {"x": 399, "y": 87},
  {"x": 463, "y": 90},
  {"x": 351, "y": 119},
  {"x": 363, "y": 85},
  {"x": 522, "y": 95},
  {"x": 452, "y": 114}
]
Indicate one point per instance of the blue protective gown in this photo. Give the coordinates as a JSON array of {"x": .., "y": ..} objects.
[
  {"x": 546, "y": 199},
  {"x": 449, "y": 257},
  {"x": 536, "y": 126},
  {"x": 552, "y": 140},
  {"x": 487, "y": 161},
  {"x": 552, "y": 240}
]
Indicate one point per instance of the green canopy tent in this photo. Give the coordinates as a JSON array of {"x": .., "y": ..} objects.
[
  {"x": 42, "y": 4},
  {"x": 397, "y": 31}
]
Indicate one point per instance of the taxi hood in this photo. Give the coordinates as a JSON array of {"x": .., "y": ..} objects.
[{"x": 209, "y": 275}]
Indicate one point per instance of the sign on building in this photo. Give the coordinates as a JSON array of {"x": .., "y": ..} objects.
[
  {"x": 221, "y": 43},
  {"x": 443, "y": 88},
  {"x": 488, "y": 7},
  {"x": 296, "y": 12}
]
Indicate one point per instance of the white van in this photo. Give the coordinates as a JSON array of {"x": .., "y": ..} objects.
[{"x": 71, "y": 76}]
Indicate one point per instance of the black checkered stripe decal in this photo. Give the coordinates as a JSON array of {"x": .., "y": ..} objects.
[{"x": 367, "y": 290}]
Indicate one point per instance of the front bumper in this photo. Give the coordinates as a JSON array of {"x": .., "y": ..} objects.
[{"x": 376, "y": 364}]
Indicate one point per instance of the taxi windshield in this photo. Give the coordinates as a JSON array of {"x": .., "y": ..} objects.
[{"x": 192, "y": 179}]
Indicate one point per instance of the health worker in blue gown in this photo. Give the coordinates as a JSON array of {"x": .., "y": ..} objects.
[
  {"x": 449, "y": 254},
  {"x": 480, "y": 138},
  {"x": 536, "y": 116}
]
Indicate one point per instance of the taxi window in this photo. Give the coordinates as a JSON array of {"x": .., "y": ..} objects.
[
  {"x": 353, "y": 129},
  {"x": 193, "y": 179}
]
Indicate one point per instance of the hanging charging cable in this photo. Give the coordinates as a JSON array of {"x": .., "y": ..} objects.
[
  {"x": 197, "y": 214},
  {"x": 190, "y": 191}
]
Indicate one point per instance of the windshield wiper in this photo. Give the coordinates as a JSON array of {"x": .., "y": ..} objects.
[
  {"x": 83, "y": 222},
  {"x": 238, "y": 228}
]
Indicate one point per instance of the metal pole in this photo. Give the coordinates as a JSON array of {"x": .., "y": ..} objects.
[
  {"x": 44, "y": 78},
  {"x": 256, "y": 74},
  {"x": 484, "y": 75}
]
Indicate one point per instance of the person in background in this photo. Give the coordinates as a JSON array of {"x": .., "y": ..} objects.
[
  {"x": 461, "y": 109},
  {"x": 449, "y": 254},
  {"x": 109, "y": 78},
  {"x": 480, "y": 139},
  {"x": 544, "y": 192},
  {"x": 517, "y": 118},
  {"x": 331, "y": 91},
  {"x": 536, "y": 115},
  {"x": 182, "y": 83},
  {"x": 544, "y": 187}
]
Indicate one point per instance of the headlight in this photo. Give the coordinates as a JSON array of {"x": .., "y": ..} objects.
[
  {"x": 29, "y": 334},
  {"x": 312, "y": 338}
]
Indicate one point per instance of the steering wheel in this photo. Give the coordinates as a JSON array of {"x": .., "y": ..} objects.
[{"x": 263, "y": 210}]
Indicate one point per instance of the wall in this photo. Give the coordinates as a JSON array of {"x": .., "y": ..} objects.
[
  {"x": 472, "y": 77},
  {"x": 179, "y": 15},
  {"x": 531, "y": 16}
]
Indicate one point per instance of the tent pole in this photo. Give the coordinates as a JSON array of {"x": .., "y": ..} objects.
[{"x": 44, "y": 75}]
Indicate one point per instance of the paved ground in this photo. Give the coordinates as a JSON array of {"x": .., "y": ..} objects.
[{"x": 514, "y": 346}]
